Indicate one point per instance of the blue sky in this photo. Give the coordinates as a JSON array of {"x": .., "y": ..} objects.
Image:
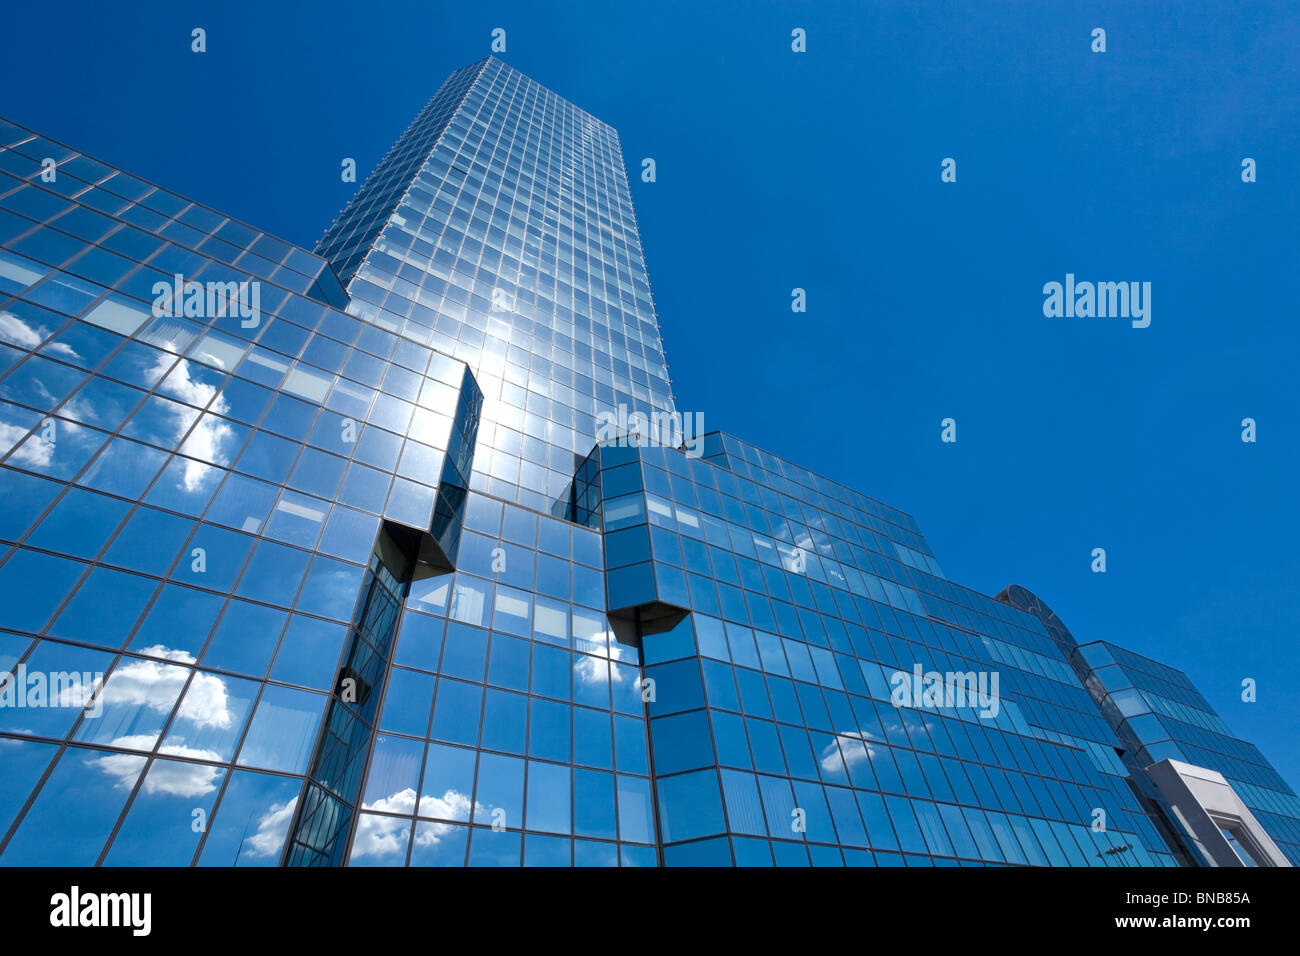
[{"x": 822, "y": 171}]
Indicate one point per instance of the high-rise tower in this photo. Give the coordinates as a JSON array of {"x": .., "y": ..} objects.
[{"x": 500, "y": 230}]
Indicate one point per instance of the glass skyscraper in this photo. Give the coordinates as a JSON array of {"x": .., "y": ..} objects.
[
  {"x": 500, "y": 230},
  {"x": 323, "y": 558}
]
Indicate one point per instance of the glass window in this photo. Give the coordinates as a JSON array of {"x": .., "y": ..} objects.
[
  {"x": 744, "y": 808},
  {"x": 439, "y": 844},
  {"x": 548, "y": 806},
  {"x": 210, "y": 718},
  {"x": 242, "y": 503},
  {"x": 448, "y": 783},
  {"x": 419, "y": 642},
  {"x": 905, "y": 825},
  {"x": 690, "y": 806},
  {"x": 765, "y": 745},
  {"x": 508, "y": 665},
  {"x": 161, "y": 422},
  {"x": 309, "y": 653},
  {"x": 811, "y": 799},
  {"x": 213, "y": 558},
  {"x": 469, "y": 599},
  {"x": 635, "y": 812},
  {"x": 246, "y": 638},
  {"x": 317, "y": 472},
  {"x": 593, "y": 804},
  {"x": 456, "y": 712},
  {"x": 24, "y": 763},
  {"x": 75, "y": 811},
  {"x": 43, "y": 580},
  {"x": 124, "y": 468},
  {"x": 26, "y": 496},
  {"x": 549, "y": 730},
  {"x": 349, "y": 534},
  {"x": 676, "y": 686},
  {"x": 241, "y": 400},
  {"x": 592, "y": 739},
  {"x": 505, "y": 722},
  {"x": 393, "y": 776},
  {"x": 60, "y": 451},
  {"x": 252, "y": 821},
  {"x": 494, "y": 848},
  {"x": 80, "y": 524},
  {"x": 630, "y": 745},
  {"x": 105, "y": 608},
  {"x": 283, "y": 730},
  {"x": 185, "y": 486},
  {"x": 547, "y": 850},
  {"x": 407, "y": 702},
  {"x": 17, "y": 273},
  {"x": 720, "y": 685},
  {"x": 716, "y": 852},
  {"x": 274, "y": 573},
  {"x": 168, "y": 816},
  {"x": 591, "y": 681},
  {"x": 844, "y": 811},
  {"x": 681, "y": 742},
  {"x": 753, "y": 693},
  {"x": 499, "y": 791},
  {"x": 551, "y": 622},
  {"x": 331, "y": 589},
  {"x": 626, "y": 688},
  {"x": 783, "y": 820},
  {"x": 729, "y": 738},
  {"x": 134, "y": 704},
  {"x": 464, "y": 651},
  {"x": 297, "y": 519},
  {"x": 268, "y": 457},
  {"x": 512, "y": 611},
  {"x": 218, "y": 350},
  {"x": 139, "y": 365},
  {"x": 178, "y": 621},
  {"x": 551, "y": 672},
  {"x": 380, "y": 840},
  {"x": 364, "y": 488},
  {"x": 118, "y": 313}
]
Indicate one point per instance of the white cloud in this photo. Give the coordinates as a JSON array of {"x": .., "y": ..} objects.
[
  {"x": 382, "y": 836},
  {"x": 145, "y": 684},
  {"x": 16, "y": 330},
  {"x": 177, "y": 779},
  {"x": 452, "y": 805},
  {"x": 124, "y": 768},
  {"x": 590, "y": 670},
  {"x": 207, "y": 702},
  {"x": 272, "y": 828},
  {"x": 35, "y": 452}
]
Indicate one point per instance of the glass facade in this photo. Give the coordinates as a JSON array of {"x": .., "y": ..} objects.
[
  {"x": 193, "y": 507},
  {"x": 314, "y": 559},
  {"x": 1159, "y": 715},
  {"x": 500, "y": 230},
  {"x": 775, "y": 720}
]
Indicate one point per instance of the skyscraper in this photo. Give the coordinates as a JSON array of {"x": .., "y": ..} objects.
[
  {"x": 324, "y": 558},
  {"x": 500, "y": 230}
]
